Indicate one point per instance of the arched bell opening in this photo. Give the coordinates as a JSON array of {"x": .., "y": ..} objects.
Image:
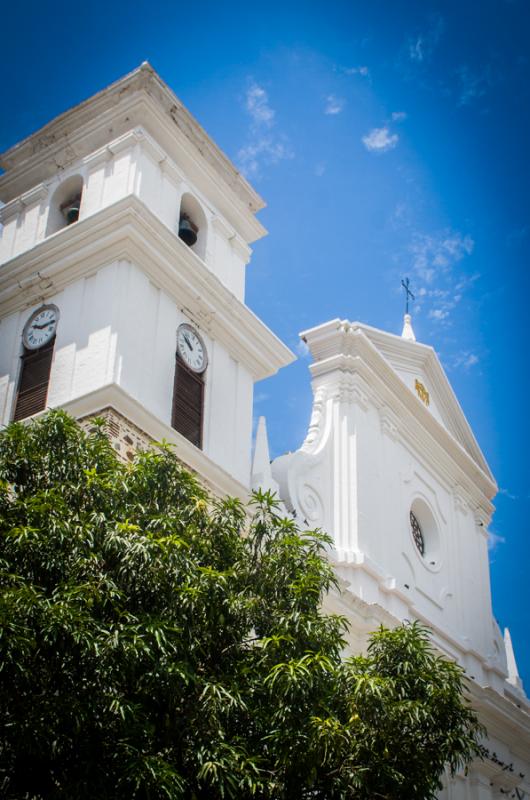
[
  {"x": 192, "y": 225},
  {"x": 65, "y": 204}
]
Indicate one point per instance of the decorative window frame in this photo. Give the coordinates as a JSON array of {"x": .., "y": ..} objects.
[{"x": 430, "y": 529}]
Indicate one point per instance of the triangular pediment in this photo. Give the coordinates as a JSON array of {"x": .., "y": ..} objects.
[
  {"x": 419, "y": 368},
  {"x": 411, "y": 373}
]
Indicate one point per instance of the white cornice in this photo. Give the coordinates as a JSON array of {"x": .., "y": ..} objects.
[
  {"x": 216, "y": 478},
  {"x": 129, "y": 230},
  {"x": 222, "y": 227},
  {"x": 423, "y": 357},
  {"x": 139, "y": 99},
  {"x": 425, "y": 437},
  {"x": 342, "y": 346},
  {"x": 16, "y": 206},
  {"x": 11, "y": 209},
  {"x": 501, "y": 715},
  {"x": 334, "y": 336}
]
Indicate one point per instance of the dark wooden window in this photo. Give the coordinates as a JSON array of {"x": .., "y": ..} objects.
[
  {"x": 33, "y": 381},
  {"x": 188, "y": 403}
]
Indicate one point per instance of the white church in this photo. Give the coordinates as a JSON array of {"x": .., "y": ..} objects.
[{"x": 126, "y": 234}]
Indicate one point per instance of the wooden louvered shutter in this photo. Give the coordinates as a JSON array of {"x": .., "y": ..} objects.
[
  {"x": 188, "y": 396},
  {"x": 33, "y": 381}
]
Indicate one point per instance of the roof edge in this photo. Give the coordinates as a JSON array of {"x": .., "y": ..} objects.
[{"x": 142, "y": 77}]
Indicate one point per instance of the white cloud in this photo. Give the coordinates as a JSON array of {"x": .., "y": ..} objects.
[
  {"x": 334, "y": 105},
  {"x": 508, "y": 494},
  {"x": 320, "y": 169},
  {"x": 417, "y": 50},
  {"x": 435, "y": 254},
  {"x": 421, "y": 46},
  {"x": 401, "y": 216},
  {"x": 265, "y": 146},
  {"x": 302, "y": 349},
  {"x": 438, "y": 283},
  {"x": 399, "y": 116},
  {"x": 472, "y": 85},
  {"x": 438, "y": 313},
  {"x": 363, "y": 70},
  {"x": 380, "y": 140},
  {"x": 260, "y": 397},
  {"x": 257, "y": 105},
  {"x": 266, "y": 150},
  {"x": 465, "y": 359},
  {"x": 494, "y": 540}
]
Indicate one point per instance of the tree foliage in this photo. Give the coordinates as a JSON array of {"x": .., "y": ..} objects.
[{"x": 156, "y": 643}]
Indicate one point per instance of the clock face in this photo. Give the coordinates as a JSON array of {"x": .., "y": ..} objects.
[
  {"x": 40, "y": 327},
  {"x": 191, "y": 348}
]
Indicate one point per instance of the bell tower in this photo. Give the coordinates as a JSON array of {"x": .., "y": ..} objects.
[{"x": 126, "y": 236}]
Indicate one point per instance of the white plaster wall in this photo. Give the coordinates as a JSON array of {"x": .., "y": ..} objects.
[
  {"x": 23, "y": 226},
  {"x": 222, "y": 257},
  {"x": 7, "y": 236},
  {"x": 92, "y": 198},
  {"x": 132, "y": 164},
  {"x": 409, "y": 377},
  {"x": 149, "y": 184},
  {"x": 10, "y": 351},
  {"x": 453, "y": 593},
  {"x": 357, "y": 478},
  {"x": 27, "y": 231},
  {"x": 117, "y": 327},
  {"x": 169, "y": 195},
  {"x": 116, "y": 182}
]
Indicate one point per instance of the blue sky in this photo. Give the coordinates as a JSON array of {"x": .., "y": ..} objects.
[{"x": 388, "y": 139}]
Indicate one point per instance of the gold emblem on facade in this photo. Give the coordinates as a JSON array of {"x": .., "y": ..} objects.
[{"x": 422, "y": 392}]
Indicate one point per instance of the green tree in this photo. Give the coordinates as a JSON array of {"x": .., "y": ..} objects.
[{"x": 156, "y": 643}]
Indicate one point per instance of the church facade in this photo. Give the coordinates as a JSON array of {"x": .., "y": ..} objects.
[{"x": 125, "y": 237}]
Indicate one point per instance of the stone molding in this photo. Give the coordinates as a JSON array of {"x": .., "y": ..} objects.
[
  {"x": 333, "y": 342},
  {"x": 417, "y": 426},
  {"x": 135, "y": 421},
  {"x": 35, "y": 195},
  {"x": 142, "y": 98},
  {"x": 389, "y": 423},
  {"x": 128, "y": 230}
]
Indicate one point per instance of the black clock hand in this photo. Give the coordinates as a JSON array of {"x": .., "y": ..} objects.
[
  {"x": 46, "y": 324},
  {"x": 188, "y": 342}
]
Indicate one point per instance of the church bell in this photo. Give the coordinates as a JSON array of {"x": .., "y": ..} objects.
[
  {"x": 70, "y": 210},
  {"x": 187, "y": 230}
]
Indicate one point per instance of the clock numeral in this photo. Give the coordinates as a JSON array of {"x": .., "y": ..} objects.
[
  {"x": 40, "y": 328},
  {"x": 191, "y": 349}
]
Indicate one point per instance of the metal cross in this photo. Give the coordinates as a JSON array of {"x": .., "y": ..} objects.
[{"x": 406, "y": 283}]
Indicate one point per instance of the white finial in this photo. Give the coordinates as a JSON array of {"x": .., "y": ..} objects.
[
  {"x": 407, "y": 332},
  {"x": 513, "y": 672},
  {"x": 261, "y": 466}
]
